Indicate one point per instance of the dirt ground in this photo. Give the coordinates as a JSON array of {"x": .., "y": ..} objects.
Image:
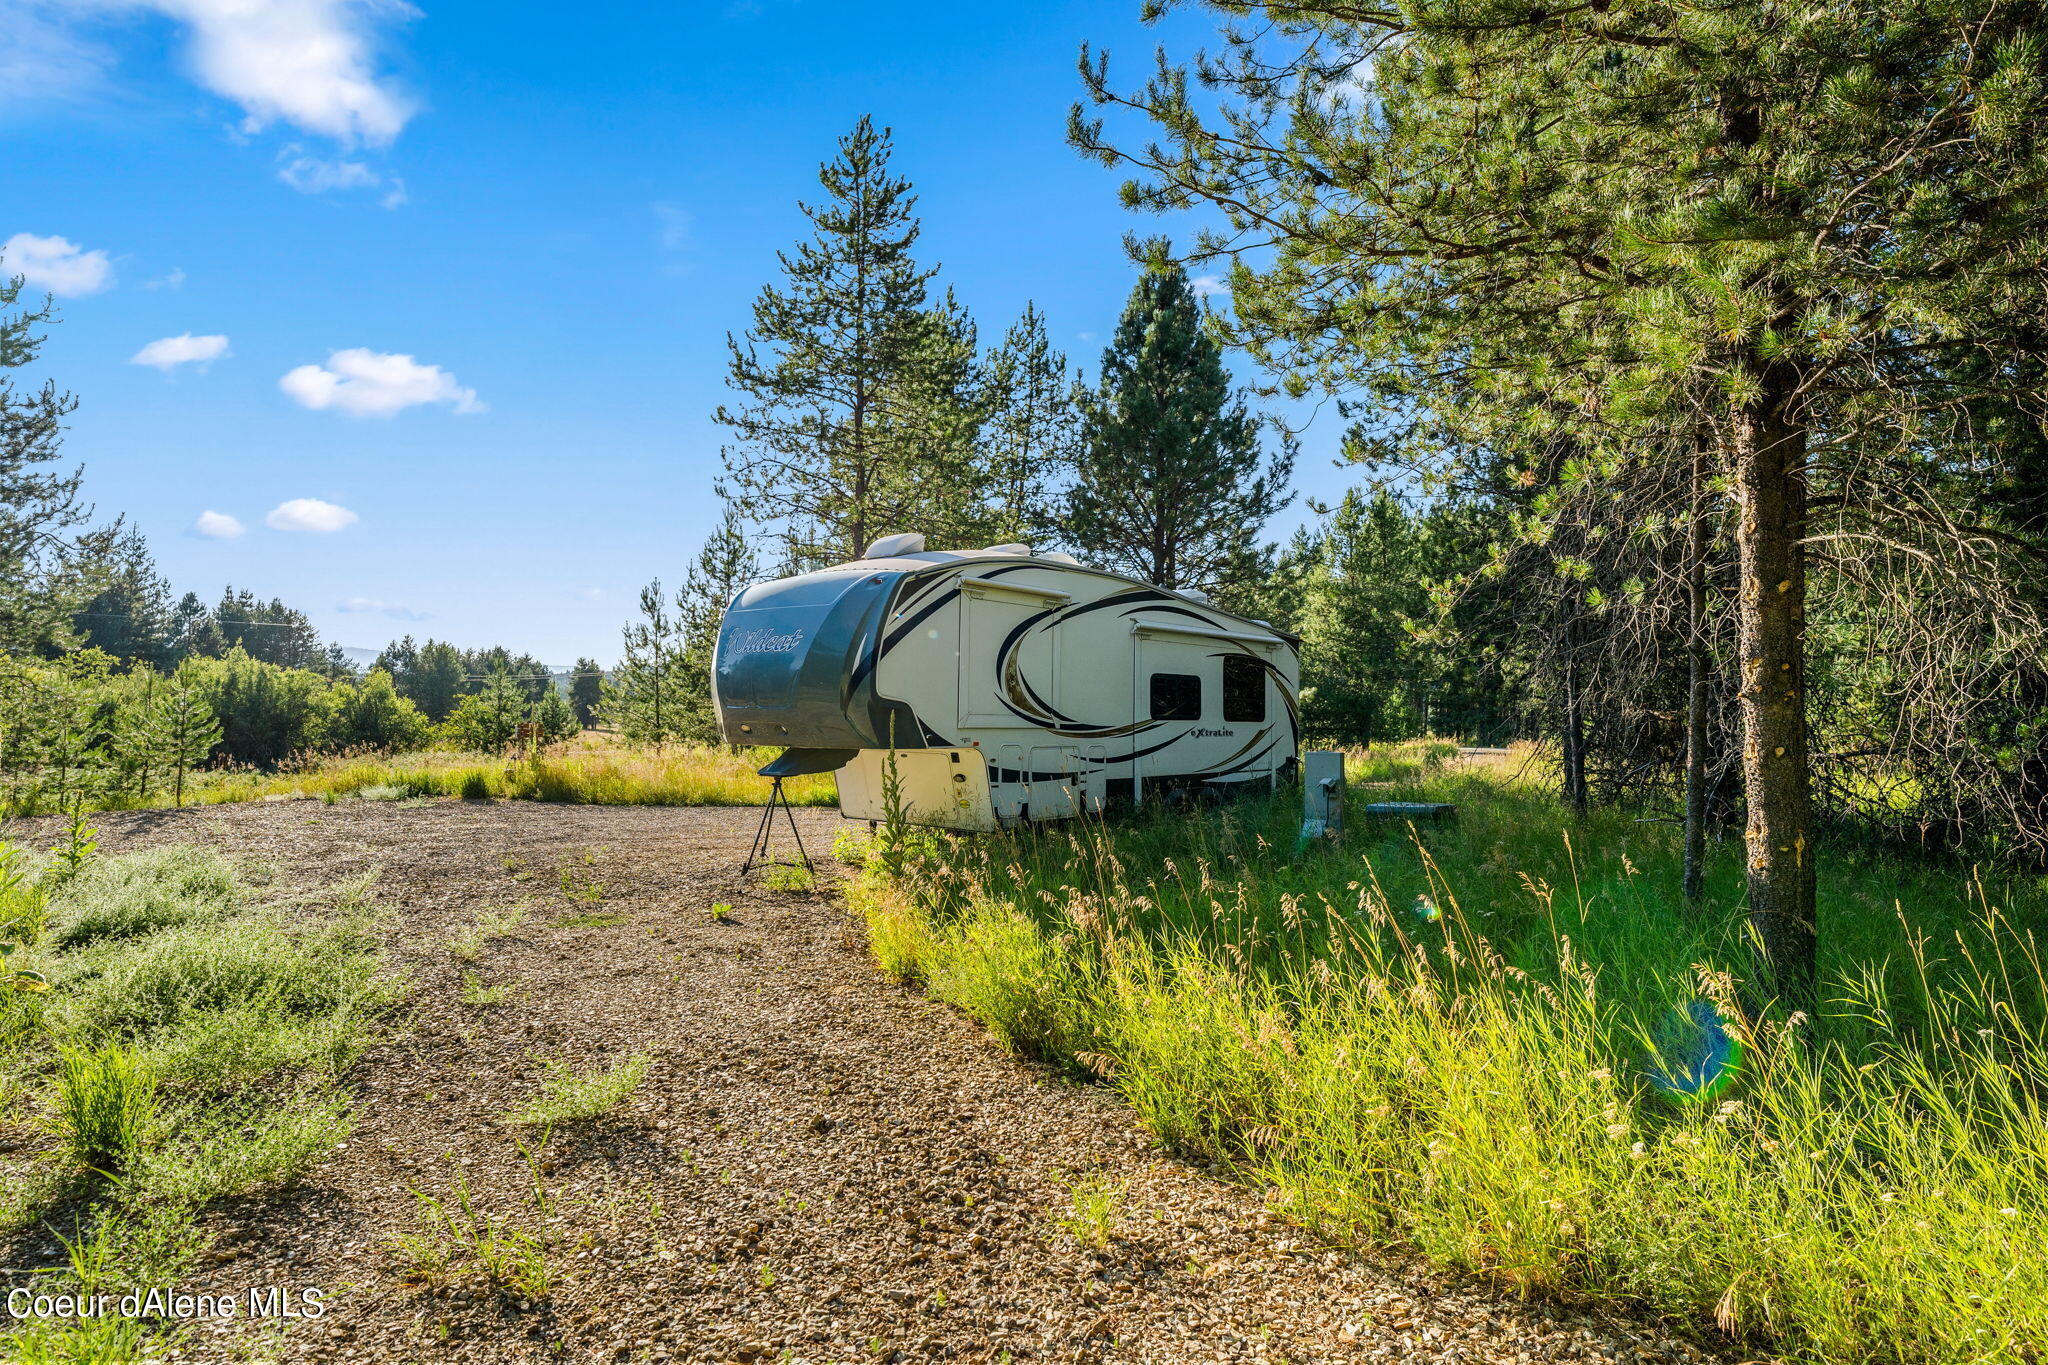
[{"x": 820, "y": 1166}]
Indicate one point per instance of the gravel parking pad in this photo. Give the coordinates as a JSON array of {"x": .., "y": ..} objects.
[{"x": 819, "y": 1166}]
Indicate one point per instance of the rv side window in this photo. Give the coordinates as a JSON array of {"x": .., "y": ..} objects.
[
  {"x": 1176, "y": 696},
  {"x": 1244, "y": 688}
]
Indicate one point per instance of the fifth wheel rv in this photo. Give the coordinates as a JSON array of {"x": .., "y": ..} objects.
[{"x": 1009, "y": 686}]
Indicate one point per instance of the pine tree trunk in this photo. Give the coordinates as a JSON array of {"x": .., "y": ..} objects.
[
  {"x": 1769, "y": 459},
  {"x": 1696, "y": 685},
  {"x": 1575, "y": 793}
]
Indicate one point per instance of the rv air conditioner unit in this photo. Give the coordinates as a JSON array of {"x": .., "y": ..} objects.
[
  {"x": 1003, "y": 687},
  {"x": 893, "y": 547}
]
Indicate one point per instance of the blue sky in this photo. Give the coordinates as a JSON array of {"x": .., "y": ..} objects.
[{"x": 557, "y": 215}]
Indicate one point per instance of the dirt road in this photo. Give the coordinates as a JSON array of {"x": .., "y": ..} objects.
[{"x": 820, "y": 1166}]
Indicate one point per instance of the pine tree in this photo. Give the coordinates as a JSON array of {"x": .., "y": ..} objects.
[
  {"x": 830, "y": 369},
  {"x": 724, "y": 566},
  {"x": 38, "y": 503},
  {"x": 129, "y": 613},
  {"x": 488, "y": 719},
  {"x": 187, "y": 730},
  {"x": 1364, "y": 595},
  {"x": 192, "y": 631},
  {"x": 586, "y": 691},
  {"x": 430, "y": 676},
  {"x": 554, "y": 717},
  {"x": 646, "y": 697},
  {"x": 1172, "y": 484},
  {"x": 930, "y": 423},
  {"x": 269, "y": 632},
  {"x": 1598, "y": 219},
  {"x": 1031, "y": 437}
]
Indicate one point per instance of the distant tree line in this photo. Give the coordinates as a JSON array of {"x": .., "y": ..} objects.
[{"x": 113, "y": 688}]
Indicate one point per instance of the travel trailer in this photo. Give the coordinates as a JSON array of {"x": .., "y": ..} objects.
[{"x": 1003, "y": 686}]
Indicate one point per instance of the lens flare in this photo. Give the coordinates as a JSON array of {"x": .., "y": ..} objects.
[{"x": 1696, "y": 1055}]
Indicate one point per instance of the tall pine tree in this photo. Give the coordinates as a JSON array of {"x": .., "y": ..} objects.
[
  {"x": 646, "y": 698},
  {"x": 1172, "y": 484},
  {"x": 1595, "y": 216},
  {"x": 829, "y": 370},
  {"x": 726, "y": 565},
  {"x": 1031, "y": 436}
]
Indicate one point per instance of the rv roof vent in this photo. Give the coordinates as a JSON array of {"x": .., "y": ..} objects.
[
  {"x": 889, "y": 547},
  {"x": 1011, "y": 549},
  {"x": 1057, "y": 558},
  {"x": 1193, "y": 594}
]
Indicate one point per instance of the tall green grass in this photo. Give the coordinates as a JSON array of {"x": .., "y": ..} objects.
[
  {"x": 187, "y": 1049},
  {"x": 1874, "y": 1187},
  {"x": 105, "y": 1102}
]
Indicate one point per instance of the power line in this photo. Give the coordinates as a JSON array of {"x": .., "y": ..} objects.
[{"x": 308, "y": 626}]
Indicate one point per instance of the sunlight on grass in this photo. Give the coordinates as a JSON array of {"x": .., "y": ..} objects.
[
  {"x": 593, "y": 772},
  {"x": 572, "y": 1096},
  {"x": 1476, "y": 1083}
]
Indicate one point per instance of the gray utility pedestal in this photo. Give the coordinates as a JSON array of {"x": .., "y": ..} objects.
[{"x": 1322, "y": 795}]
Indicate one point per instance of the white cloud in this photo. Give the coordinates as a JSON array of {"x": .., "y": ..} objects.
[
  {"x": 365, "y": 383},
  {"x": 312, "y": 64},
  {"x": 312, "y": 175},
  {"x": 673, "y": 225},
  {"x": 674, "y": 233},
  {"x": 591, "y": 594},
  {"x": 1207, "y": 286},
  {"x": 397, "y": 611},
  {"x": 174, "y": 280},
  {"x": 309, "y": 514},
  {"x": 168, "y": 353},
  {"x": 217, "y": 525},
  {"x": 42, "y": 57},
  {"x": 308, "y": 63},
  {"x": 55, "y": 264}
]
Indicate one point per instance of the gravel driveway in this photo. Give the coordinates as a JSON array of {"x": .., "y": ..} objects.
[{"x": 820, "y": 1166}]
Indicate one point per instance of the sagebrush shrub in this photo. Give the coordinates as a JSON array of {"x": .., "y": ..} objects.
[{"x": 139, "y": 893}]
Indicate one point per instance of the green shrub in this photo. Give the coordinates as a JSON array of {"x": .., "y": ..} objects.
[
  {"x": 246, "y": 968},
  {"x": 224, "y": 1152},
  {"x": 571, "y": 1096},
  {"x": 139, "y": 893},
  {"x": 1094, "y": 1207},
  {"x": 783, "y": 877},
  {"x": 105, "y": 1101},
  {"x": 1028, "y": 989},
  {"x": 475, "y": 785},
  {"x": 24, "y": 903},
  {"x": 215, "y": 1050}
]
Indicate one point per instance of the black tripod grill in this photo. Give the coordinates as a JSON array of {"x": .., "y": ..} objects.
[
  {"x": 789, "y": 763},
  {"x": 757, "y": 852}
]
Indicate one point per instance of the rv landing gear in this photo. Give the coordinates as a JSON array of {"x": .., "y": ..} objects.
[{"x": 757, "y": 852}]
